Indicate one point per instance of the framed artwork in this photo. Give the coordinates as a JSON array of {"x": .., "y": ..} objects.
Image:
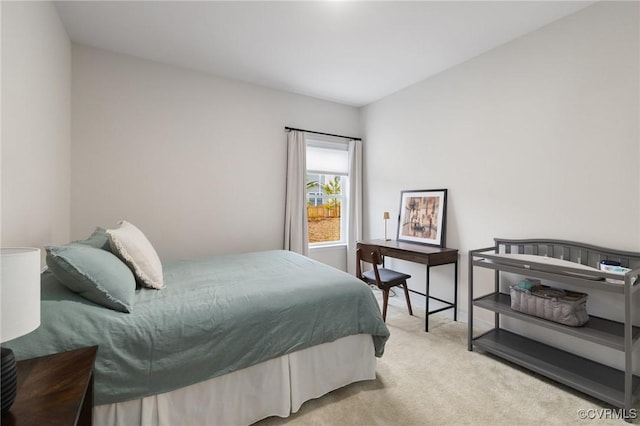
[{"x": 422, "y": 217}]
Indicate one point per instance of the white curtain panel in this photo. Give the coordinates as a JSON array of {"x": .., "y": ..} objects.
[
  {"x": 354, "y": 213},
  {"x": 296, "y": 236}
]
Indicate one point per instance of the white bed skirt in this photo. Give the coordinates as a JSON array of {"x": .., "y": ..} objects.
[{"x": 277, "y": 387}]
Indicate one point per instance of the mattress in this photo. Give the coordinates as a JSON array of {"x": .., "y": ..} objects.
[{"x": 215, "y": 316}]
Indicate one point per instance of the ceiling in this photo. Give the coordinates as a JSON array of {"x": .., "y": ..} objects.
[{"x": 353, "y": 53}]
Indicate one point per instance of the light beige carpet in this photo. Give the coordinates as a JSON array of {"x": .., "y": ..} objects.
[{"x": 431, "y": 379}]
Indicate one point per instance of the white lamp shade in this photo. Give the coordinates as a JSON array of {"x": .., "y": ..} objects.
[{"x": 19, "y": 292}]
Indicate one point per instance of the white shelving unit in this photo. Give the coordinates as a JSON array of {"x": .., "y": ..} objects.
[{"x": 619, "y": 388}]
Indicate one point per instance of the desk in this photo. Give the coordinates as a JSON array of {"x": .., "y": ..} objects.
[{"x": 429, "y": 256}]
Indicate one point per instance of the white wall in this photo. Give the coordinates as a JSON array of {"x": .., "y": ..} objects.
[
  {"x": 197, "y": 162},
  {"x": 36, "y": 125},
  {"x": 537, "y": 138}
]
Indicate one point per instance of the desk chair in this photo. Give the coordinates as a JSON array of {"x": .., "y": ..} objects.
[{"x": 383, "y": 278}]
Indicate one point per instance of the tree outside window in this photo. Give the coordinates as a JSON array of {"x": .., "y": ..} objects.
[{"x": 324, "y": 208}]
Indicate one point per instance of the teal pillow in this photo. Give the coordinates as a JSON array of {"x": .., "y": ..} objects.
[
  {"x": 99, "y": 239},
  {"x": 94, "y": 274}
]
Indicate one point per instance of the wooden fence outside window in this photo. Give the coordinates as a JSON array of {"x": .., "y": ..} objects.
[{"x": 322, "y": 212}]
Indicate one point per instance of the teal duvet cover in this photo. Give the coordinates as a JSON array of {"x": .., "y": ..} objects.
[{"x": 216, "y": 315}]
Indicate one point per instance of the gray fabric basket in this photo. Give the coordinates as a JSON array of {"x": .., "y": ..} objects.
[{"x": 561, "y": 306}]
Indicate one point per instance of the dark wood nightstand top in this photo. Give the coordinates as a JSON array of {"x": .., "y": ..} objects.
[{"x": 54, "y": 389}]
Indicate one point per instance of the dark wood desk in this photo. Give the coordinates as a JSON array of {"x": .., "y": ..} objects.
[
  {"x": 54, "y": 390},
  {"x": 429, "y": 256}
]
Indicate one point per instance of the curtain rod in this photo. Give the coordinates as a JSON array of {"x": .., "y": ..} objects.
[{"x": 320, "y": 133}]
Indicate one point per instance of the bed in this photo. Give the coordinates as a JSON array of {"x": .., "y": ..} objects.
[{"x": 228, "y": 340}]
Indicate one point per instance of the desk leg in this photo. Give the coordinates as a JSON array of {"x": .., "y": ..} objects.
[
  {"x": 426, "y": 316},
  {"x": 455, "y": 291}
]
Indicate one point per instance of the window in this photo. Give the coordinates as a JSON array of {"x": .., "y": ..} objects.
[{"x": 327, "y": 180}]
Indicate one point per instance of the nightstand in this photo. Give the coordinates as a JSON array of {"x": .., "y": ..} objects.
[{"x": 54, "y": 390}]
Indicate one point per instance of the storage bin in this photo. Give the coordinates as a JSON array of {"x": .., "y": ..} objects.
[{"x": 561, "y": 306}]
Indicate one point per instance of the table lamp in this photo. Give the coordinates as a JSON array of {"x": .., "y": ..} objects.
[
  {"x": 385, "y": 216},
  {"x": 20, "y": 308}
]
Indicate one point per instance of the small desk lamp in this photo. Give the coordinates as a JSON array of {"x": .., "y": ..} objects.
[
  {"x": 20, "y": 308},
  {"x": 385, "y": 216}
]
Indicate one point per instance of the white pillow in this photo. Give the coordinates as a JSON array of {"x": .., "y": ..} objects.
[{"x": 130, "y": 244}]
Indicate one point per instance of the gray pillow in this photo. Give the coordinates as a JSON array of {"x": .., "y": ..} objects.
[
  {"x": 99, "y": 239},
  {"x": 94, "y": 274}
]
